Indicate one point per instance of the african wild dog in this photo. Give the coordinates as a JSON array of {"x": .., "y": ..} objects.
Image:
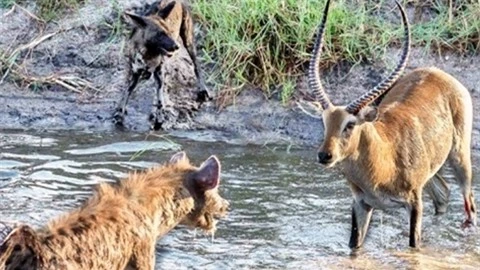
[
  {"x": 118, "y": 227},
  {"x": 390, "y": 153},
  {"x": 154, "y": 36}
]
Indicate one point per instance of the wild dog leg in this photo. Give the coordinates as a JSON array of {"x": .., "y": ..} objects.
[
  {"x": 120, "y": 112},
  {"x": 187, "y": 35},
  {"x": 160, "y": 101},
  {"x": 361, "y": 215},
  {"x": 416, "y": 212}
]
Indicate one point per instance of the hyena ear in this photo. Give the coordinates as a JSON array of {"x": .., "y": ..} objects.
[
  {"x": 208, "y": 176},
  {"x": 178, "y": 157},
  {"x": 164, "y": 12},
  {"x": 137, "y": 20}
]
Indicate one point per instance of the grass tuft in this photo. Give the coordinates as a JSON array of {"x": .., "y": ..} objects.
[
  {"x": 267, "y": 43},
  {"x": 47, "y": 10}
]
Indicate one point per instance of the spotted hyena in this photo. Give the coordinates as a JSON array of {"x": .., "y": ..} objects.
[
  {"x": 155, "y": 35},
  {"x": 117, "y": 228}
]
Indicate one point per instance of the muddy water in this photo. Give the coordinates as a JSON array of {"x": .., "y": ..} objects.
[{"x": 286, "y": 212}]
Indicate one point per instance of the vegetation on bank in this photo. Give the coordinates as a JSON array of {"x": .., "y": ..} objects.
[
  {"x": 47, "y": 10},
  {"x": 268, "y": 43}
]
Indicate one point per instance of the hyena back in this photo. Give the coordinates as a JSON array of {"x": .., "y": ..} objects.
[
  {"x": 118, "y": 227},
  {"x": 154, "y": 36}
]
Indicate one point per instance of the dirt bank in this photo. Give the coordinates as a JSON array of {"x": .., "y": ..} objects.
[{"x": 82, "y": 46}]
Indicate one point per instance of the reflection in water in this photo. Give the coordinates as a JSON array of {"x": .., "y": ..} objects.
[{"x": 286, "y": 212}]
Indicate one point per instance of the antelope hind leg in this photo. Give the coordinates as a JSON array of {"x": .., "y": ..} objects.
[{"x": 416, "y": 212}]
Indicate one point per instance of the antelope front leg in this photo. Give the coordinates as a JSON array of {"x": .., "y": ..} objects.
[
  {"x": 416, "y": 211},
  {"x": 120, "y": 112},
  {"x": 361, "y": 215}
]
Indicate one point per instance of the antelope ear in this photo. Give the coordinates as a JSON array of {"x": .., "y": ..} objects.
[
  {"x": 164, "y": 12},
  {"x": 208, "y": 176},
  {"x": 136, "y": 20},
  {"x": 368, "y": 114},
  {"x": 178, "y": 157}
]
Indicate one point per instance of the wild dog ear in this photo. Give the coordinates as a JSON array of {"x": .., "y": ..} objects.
[
  {"x": 136, "y": 19},
  {"x": 368, "y": 114},
  {"x": 180, "y": 156},
  {"x": 164, "y": 12},
  {"x": 208, "y": 176}
]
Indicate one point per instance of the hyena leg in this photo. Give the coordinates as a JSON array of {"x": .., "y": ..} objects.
[
  {"x": 416, "y": 212},
  {"x": 462, "y": 169},
  {"x": 143, "y": 257},
  {"x": 120, "y": 112},
  {"x": 361, "y": 215},
  {"x": 187, "y": 35}
]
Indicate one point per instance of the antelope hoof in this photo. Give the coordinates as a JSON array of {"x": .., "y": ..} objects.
[{"x": 469, "y": 223}]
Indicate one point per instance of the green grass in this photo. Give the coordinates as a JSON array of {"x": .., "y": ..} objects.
[
  {"x": 52, "y": 9},
  {"x": 267, "y": 43},
  {"x": 7, "y": 3},
  {"x": 47, "y": 10}
]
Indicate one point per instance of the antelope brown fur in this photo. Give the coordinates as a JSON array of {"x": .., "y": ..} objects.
[
  {"x": 389, "y": 153},
  {"x": 154, "y": 36},
  {"x": 118, "y": 227}
]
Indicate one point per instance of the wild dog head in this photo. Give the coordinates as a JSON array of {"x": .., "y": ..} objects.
[
  {"x": 151, "y": 35},
  {"x": 202, "y": 184}
]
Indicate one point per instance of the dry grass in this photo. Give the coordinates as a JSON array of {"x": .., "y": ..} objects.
[{"x": 12, "y": 64}]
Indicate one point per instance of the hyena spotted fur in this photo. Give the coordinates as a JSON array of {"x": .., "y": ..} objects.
[
  {"x": 156, "y": 34},
  {"x": 118, "y": 227}
]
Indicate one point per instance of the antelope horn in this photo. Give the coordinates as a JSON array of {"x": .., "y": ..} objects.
[
  {"x": 355, "y": 106},
  {"x": 313, "y": 71}
]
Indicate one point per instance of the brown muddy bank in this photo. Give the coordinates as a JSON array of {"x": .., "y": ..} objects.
[{"x": 83, "y": 47}]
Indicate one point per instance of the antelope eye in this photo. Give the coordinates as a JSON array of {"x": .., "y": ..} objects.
[{"x": 349, "y": 126}]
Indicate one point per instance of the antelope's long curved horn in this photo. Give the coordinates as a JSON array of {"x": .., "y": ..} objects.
[
  {"x": 313, "y": 70},
  {"x": 355, "y": 106}
]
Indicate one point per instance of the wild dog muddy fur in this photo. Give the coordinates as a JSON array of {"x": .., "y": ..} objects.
[
  {"x": 156, "y": 35},
  {"x": 118, "y": 227},
  {"x": 392, "y": 152}
]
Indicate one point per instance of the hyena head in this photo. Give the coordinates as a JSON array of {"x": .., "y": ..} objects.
[
  {"x": 151, "y": 35},
  {"x": 202, "y": 183}
]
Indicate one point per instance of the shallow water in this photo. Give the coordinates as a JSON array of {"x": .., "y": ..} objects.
[{"x": 286, "y": 212}]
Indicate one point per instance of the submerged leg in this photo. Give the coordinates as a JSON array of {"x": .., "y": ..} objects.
[{"x": 361, "y": 216}]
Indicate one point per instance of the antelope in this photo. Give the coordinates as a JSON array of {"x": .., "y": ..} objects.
[
  {"x": 154, "y": 37},
  {"x": 389, "y": 152}
]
